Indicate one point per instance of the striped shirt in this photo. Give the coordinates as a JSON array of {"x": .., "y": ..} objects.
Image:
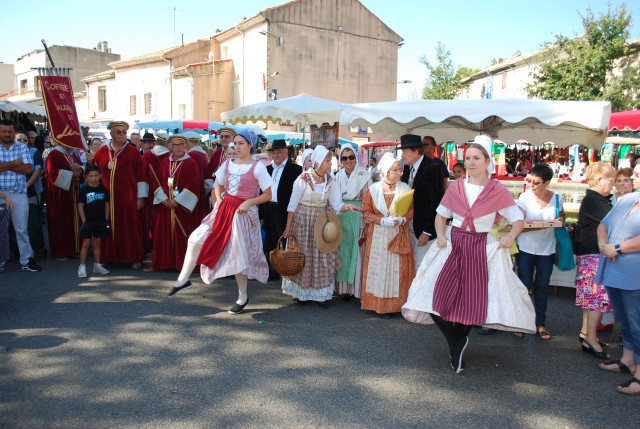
[{"x": 10, "y": 181}]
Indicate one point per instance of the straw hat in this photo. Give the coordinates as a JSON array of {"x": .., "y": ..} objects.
[{"x": 327, "y": 231}]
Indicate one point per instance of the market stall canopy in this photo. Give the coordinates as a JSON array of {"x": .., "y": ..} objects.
[
  {"x": 563, "y": 122},
  {"x": 625, "y": 121},
  {"x": 301, "y": 109},
  {"x": 23, "y": 107},
  {"x": 179, "y": 126}
]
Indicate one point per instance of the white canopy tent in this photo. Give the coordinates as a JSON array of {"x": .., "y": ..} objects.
[
  {"x": 563, "y": 122},
  {"x": 302, "y": 109},
  {"x": 32, "y": 110}
]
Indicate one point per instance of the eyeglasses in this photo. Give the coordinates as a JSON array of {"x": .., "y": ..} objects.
[
  {"x": 226, "y": 136},
  {"x": 532, "y": 182},
  {"x": 24, "y": 140},
  {"x": 623, "y": 180},
  {"x": 350, "y": 158}
]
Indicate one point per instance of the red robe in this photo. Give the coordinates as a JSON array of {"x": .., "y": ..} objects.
[
  {"x": 126, "y": 183},
  {"x": 151, "y": 166},
  {"x": 201, "y": 159},
  {"x": 63, "y": 220},
  {"x": 171, "y": 235},
  {"x": 217, "y": 157}
]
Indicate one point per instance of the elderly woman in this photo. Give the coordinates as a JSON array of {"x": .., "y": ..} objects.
[
  {"x": 619, "y": 243},
  {"x": 592, "y": 297},
  {"x": 538, "y": 246},
  {"x": 467, "y": 278},
  {"x": 623, "y": 182},
  {"x": 228, "y": 241},
  {"x": 388, "y": 263},
  {"x": 305, "y": 159},
  {"x": 313, "y": 193},
  {"x": 353, "y": 180}
]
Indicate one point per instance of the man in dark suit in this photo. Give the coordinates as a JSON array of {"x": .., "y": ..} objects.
[
  {"x": 274, "y": 213},
  {"x": 425, "y": 177}
]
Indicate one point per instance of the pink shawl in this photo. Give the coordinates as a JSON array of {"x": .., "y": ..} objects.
[{"x": 493, "y": 197}]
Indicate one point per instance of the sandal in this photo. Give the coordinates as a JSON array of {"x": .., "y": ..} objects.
[
  {"x": 626, "y": 385},
  {"x": 519, "y": 334},
  {"x": 543, "y": 333},
  {"x": 582, "y": 338},
  {"x": 619, "y": 368}
]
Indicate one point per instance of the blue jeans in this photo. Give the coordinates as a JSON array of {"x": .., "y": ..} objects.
[
  {"x": 542, "y": 265},
  {"x": 626, "y": 310}
]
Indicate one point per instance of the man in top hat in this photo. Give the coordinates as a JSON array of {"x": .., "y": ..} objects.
[
  {"x": 274, "y": 213},
  {"x": 175, "y": 201},
  {"x": 148, "y": 141},
  {"x": 198, "y": 154},
  {"x": 424, "y": 176},
  {"x": 151, "y": 160},
  {"x": 122, "y": 174},
  {"x": 226, "y": 135}
]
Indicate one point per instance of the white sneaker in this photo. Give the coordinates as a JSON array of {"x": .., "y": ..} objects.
[
  {"x": 99, "y": 269},
  {"x": 82, "y": 271}
]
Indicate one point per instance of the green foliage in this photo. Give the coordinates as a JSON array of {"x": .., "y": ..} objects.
[
  {"x": 581, "y": 68},
  {"x": 444, "y": 79}
]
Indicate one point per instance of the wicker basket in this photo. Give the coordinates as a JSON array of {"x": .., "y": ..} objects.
[{"x": 287, "y": 262}]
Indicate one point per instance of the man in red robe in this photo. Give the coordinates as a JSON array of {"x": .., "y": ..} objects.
[
  {"x": 64, "y": 174},
  {"x": 151, "y": 160},
  {"x": 226, "y": 135},
  {"x": 122, "y": 174},
  {"x": 175, "y": 201},
  {"x": 198, "y": 154}
]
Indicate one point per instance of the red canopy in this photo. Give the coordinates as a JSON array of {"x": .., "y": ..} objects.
[{"x": 625, "y": 121}]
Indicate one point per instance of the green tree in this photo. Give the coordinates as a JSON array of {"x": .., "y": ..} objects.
[
  {"x": 442, "y": 83},
  {"x": 581, "y": 68}
]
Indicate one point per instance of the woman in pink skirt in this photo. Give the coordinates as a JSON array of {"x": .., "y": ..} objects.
[{"x": 228, "y": 241}]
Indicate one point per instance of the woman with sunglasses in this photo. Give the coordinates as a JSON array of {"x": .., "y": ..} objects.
[
  {"x": 353, "y": 180},
  {"x": 538, "y": 246},
  {"x": 592, "y": 297}
]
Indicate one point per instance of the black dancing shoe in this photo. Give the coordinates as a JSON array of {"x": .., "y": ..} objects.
[
  {"x": 237, "y": 308},
  {"x": 177, "y": 289},
  {"x": 456, "y": 356}
]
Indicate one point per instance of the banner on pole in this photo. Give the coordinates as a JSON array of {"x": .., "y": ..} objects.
[{"x": 61, "y": 111}]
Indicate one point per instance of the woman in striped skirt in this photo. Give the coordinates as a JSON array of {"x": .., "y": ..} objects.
[
  {"x": 467, "y": 279},
  {"x": 314, "y": 191}
]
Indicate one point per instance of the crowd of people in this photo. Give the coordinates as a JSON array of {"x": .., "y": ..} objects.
[{"x": 405, "y": 236}]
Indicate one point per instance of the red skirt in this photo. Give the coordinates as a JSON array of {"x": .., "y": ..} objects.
[
  {"x": 460, "y": 293},
  {"x": 220, "y": 231}
]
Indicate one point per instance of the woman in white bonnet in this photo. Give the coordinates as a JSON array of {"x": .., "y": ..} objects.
[
  {"x": 467, "y": 278},
  {"x": 388, "y": 264},
  {"x": 353, "y": 180}
]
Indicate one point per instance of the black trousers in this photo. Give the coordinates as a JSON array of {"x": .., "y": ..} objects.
[
  {"x": 453, "y": 332},
  {"x": 274, "y": 224}
]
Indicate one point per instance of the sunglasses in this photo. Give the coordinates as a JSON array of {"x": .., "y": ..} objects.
[
  {"x": 22, "y": 140},
  {"x": 532, "y": 182},
  {"x": 118, "y": 132},
  {"x": 350, "y": 158}
]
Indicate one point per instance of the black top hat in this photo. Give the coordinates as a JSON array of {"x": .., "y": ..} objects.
[
  {"x": 410, "y": 141},
  {"x": 278, "y": 144},
  {"x": 148, "y": 137}
]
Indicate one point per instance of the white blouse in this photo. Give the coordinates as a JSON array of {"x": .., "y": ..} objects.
[
  {"x": 482, "y": 223},
  {"x": 541, "y": 242},
  {"x": 236, "y": 170},
  {"x": 299, "y": 186}
]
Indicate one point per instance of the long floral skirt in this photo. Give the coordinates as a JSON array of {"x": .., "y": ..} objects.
[{"x": 589, "y": 294}]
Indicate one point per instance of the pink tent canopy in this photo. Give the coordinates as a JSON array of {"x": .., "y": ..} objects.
[{"x": 625, "y": 121}]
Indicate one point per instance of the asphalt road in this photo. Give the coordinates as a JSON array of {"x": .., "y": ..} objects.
[{"x": 114, "y": 351}]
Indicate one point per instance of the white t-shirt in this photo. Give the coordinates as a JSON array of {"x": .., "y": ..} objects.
[{"x": 542, "y": 242}]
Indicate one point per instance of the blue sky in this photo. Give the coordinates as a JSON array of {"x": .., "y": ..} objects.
[{"x": 474, "y": 31}]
